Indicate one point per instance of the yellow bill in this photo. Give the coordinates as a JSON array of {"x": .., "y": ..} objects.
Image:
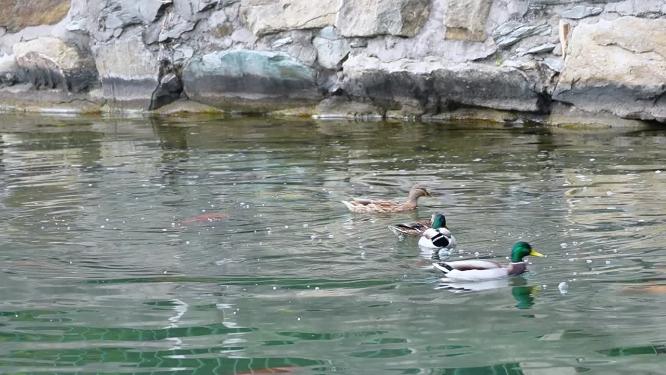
[{"x": 535, "y": 253}]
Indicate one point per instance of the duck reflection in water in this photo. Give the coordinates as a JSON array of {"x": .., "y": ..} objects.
[{"x": 523, "y": 294}]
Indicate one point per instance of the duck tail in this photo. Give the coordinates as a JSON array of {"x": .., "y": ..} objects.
[
  {"x": 395, "y": 230},
  {"x": 443, "y": 267},
  {"x": 348, "y": 204}
]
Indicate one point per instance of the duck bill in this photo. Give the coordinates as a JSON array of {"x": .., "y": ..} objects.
[{"x": 535, "y": 253}]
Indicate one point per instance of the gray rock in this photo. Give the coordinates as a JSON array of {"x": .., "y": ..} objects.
[
  {"x": 543, "y": 48},
  {"x": 554, "y": 63},
  {"x": 581, "y": 11},
  {"x": 331, "y": 48},
  {"x": 296, "y": 43},
  {"x": 434, "y": 86},
  {"x": 111, "y": 17},
  {"x": 466, "y": 19},
  {"x": 51, "y": 63},
  {"x": 513, "y": 32},
  {"x": 8, "y": 70},
  {"x": 129, "y": 72},
  {"x": 358, "y": 43},
  {"x": 638, "y": 8},
  {"x": 190, "y": 9},
  {"x": 174, "y": 27},
  {"x": 282, "y": 42},
  {"x": 382, "y": 17},
  {"x": 617, "y": 66},
  {"x": 272, "y": 16},
  {"x": 168, "y": 91},
  {"x": 250, "y": 80}
]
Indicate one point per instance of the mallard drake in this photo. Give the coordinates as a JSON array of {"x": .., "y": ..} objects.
[
  {"x": 482, "y": 270},
  {"x": 385, "y": 206},
  {"x": 438, "y": 236}
]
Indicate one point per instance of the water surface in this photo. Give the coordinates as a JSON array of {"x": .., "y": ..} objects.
[{"x": 199, "y": 245}]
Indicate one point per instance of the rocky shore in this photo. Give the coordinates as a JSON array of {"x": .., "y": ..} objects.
[{"x": 554, "y": 61}]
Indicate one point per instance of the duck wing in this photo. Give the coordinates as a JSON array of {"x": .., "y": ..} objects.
[
  {"x": 413, "y": 229},
  {"x": 458, "y": 276},
  {"x": 466, "y": 265},
  {"x": 471, "y": 270},
  {"x": 363, "y": 201}
]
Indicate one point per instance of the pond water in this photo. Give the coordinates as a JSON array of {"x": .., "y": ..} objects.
[{"x": 202, "y": 246}]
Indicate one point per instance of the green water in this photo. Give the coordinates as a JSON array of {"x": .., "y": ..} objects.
[{"x": 105, "y": 269}]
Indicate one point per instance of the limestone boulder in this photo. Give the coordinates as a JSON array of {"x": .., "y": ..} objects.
[
  {"x": 512, "y": 32},
  {"x": 466, "y": 19},
  {"x": 51, "y": 63},
  {"x": 18, "y": 14},
  {"x": 192, "y": 9},
  {"x": 432, "y": 86},
  {"x": 331, "y": 48},
  {"x": 366, "y": 18},
  {"x": 110, "y": 18},
  {"x": 250, "y": 80},
  {"x": 272, "y": 16},
  {"x": 581, "y": 11},
  {"x": 129, "y": 72},
  {"x": 617, "y": 66}
]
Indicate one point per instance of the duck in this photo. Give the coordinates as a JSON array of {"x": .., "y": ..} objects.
[
  {"x": 474, "y": 270},
  {"x": 412, "y": 229},
  {"x": 361, "y": 205},
  {"x": 437, "y": 236}
]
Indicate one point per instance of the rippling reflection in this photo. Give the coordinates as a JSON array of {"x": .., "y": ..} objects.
[{"x": 195, "y": 245}]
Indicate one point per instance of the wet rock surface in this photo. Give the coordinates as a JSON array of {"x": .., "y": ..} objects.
[
  {"x": 249, "y": 80},
  {"x": 386, "y": 58}
]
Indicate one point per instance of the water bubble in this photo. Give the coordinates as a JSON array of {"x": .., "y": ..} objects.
[
  {"x": 316, "y": 288},
  {"x": 563, "y": 287},
  {"x": 274, "y": 288}
]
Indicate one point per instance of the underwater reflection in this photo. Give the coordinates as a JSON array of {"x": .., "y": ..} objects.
[{"x": 523, "y": 294}]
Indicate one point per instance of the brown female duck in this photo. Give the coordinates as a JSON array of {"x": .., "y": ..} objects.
[{"x": 385, "y": 206}]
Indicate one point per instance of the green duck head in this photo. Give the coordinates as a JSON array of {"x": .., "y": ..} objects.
[
  {"x": 521, "y": 250},
  {"x": 438, "y": 221}
]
